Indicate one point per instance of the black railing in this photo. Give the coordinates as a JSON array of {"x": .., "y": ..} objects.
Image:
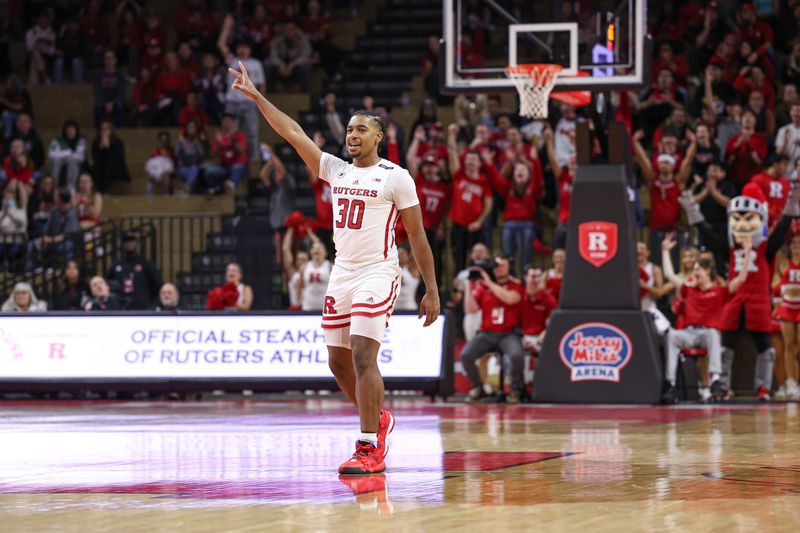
[
  {"x": 171, "y": 240},
  {"x": 41, "y": 261}
]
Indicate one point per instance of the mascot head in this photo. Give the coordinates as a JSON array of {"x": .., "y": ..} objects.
[{"x": 747, "y": 216}]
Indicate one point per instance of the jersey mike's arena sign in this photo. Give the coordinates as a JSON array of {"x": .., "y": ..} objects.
[
  {"x": 595, "y": 351},
  {"x": 597, "y": 241}
]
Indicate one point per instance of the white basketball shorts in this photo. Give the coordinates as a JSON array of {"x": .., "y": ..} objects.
[{"x": 359, "y": 302}]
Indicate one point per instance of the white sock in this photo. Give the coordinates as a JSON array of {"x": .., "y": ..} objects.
[
  {"x": 369, "y": 437},
  {"x": 714, "y": 377}
]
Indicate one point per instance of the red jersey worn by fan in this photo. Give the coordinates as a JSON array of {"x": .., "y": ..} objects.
[
  {"x": 776, "y": 191},
  {"x": 227, "y": 146},
  {"x": 742, "y": 166},
  {"x": 665, "y": 211},
  {"x": 322, "y": 199},
  {"x": 789, "y": 291},
  {"x": 469, "y": 196},
  {"x": 701, "y": 307},
  {"x": 499, "y": 317},
  {"x": 434, "y": 198},
  {"x": 564, "y": 196},
  {"x": 518, "y": 207},
  {"x": 536, "y": 310}
]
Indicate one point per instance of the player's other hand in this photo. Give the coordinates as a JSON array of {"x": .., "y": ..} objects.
[
  {"x": 429, "y": 307},
  {"x": 242, "y": 82}
]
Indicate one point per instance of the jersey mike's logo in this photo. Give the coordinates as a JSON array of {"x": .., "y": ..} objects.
[
  {"x": 595, "y": 351},
  {"x": 597, "y": 241}
]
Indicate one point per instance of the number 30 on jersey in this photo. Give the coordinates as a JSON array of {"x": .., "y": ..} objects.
[{"x": 351, "y": 213}]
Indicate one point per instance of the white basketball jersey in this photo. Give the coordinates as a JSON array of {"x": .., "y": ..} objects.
[
  {"x": 315, "y": 284},
  {"x": 366, "y": 205}
]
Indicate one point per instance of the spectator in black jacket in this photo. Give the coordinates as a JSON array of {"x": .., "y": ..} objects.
[
  {"x": 33, "y": 143},
  {"x": 59, "y": 233},
  {"x": 108, "y": 158},
  {"x": 102, "y": 297},
  {"x": 109, "y": 92},
  {"x": 74, "y": 293},
  {"x": 138, "y": 278}
]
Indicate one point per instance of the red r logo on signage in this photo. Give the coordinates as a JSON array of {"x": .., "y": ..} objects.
[{"x": 597, "y": 241}]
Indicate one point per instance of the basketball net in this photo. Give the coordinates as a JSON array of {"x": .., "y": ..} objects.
[{"x": 534, "y": 84}]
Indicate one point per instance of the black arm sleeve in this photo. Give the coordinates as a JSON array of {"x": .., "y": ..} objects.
[
  {"x": 710, "y": 236},
  {"x": 777, "y": 237}
]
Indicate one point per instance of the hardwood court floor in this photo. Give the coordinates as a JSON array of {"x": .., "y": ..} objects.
[{"x": 271, "y": 466}]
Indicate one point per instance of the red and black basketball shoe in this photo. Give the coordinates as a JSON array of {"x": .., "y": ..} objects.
[
  {"x": 367, "y": 459},
  {"x": 763, "y": 394},
  {"x": 385, "y": 426}
]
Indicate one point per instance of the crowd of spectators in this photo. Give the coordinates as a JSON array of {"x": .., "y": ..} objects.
[{"x": 721, "y": 110}]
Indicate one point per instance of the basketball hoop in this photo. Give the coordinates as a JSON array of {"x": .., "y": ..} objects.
[{"x": 534, "y": 83}]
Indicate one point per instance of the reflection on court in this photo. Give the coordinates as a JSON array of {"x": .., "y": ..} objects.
[{"x": 227, "y": 465}]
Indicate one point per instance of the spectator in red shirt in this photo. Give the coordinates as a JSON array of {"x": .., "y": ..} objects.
[
  {"x": 323, "y": 202},
  {"x": 17, "y": 166},
  {"x": 499, "y": 301},
  {"x": 665, "y": 188},
  {"x": 676, "y": 64},
  {"x": 192, "y": 111},
  {"x": 472, "y": 199},
  {"x": 172, "y": 85},
  {"x": 745, "y": 152},
  {"x": 230, "y": 145},
  {"x": 432, "y": 143},
  {"x": 160, "y": 166},
  {"x": 434, "y": 200},
  {"x": 753, "y": 30},
  {"x": 775, "y": 186},
  {"x": 153, "y": 56},
  {"x": 195, "y": 24},
  {"x": 188, "y": 60},
  {"x": 129, "y": 35},
  {"x": 154, "y": 31},
  {"x": 95, "y": 30},
  {"x": 564, "y": 176},
  {"x": 522, "y": 200},
  {"x": 754, "y": 78},
  {"x": 702, "y": 299},
  {"x": 537, "y": 305},
  {"x": 260, "y": 32},
  {"x": 144, "y": 98}
]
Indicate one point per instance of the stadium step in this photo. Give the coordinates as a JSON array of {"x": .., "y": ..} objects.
[
  {"x": 220, "y": 242},
  {"x": 209, "y": 262}
]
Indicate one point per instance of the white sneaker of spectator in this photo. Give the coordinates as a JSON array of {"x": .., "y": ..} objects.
[
  {"x": 792, "y": 390},
  {"x": 780, "y": 394},
  {"x": 705, "y": 394}
]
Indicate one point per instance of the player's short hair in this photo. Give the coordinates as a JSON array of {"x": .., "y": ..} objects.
[{"x": 373, "y": 117}]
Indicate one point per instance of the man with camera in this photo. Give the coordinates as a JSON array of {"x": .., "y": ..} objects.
[{"x": 498, "y": 296}]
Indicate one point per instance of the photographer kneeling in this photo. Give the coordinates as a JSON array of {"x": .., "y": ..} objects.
[{"x": 499, "y": 298}]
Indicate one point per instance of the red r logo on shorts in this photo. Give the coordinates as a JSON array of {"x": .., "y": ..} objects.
[{"x": 329, "y": 302}]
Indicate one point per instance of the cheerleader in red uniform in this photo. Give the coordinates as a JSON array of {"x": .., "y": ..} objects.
[
  {"x": 554, "y": 276},
  {"x": 789, "y": 315}
]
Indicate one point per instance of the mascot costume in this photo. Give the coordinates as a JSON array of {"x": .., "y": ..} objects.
[{"x": 750, "y": 308}]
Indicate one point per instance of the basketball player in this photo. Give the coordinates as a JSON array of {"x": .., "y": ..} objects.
[{"x": 369, "y": 196}]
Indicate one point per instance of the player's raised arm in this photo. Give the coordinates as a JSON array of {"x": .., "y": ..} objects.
[{"x": 282, "y": 123}]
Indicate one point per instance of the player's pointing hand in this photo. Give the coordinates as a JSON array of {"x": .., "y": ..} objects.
[
  {"x": 242, "y": 82},
  {"x": 429, "y": 306}
]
